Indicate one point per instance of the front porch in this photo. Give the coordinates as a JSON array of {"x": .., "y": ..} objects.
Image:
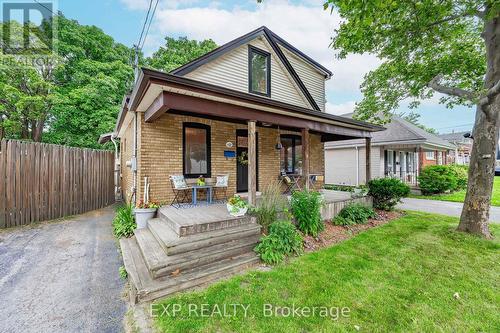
[{"x": 188, "y": 247}]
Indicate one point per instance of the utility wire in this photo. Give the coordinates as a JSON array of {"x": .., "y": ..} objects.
[
  {"x": 144, "y": 25},
  {"x": 45, "y": 7},
  {"x": 149, "y": 25}
]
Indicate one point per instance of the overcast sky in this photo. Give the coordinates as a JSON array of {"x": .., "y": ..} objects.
[{"x": 302, "y": 23}]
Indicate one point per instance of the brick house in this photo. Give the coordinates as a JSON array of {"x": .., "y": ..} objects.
[
  {"x": 238, "y": 100},
  {"x": 401, "y": 151},
  {"x": 463, "y": 147}
]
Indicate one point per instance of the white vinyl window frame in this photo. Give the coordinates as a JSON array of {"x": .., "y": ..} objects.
[{"x": 430, "y": 155}]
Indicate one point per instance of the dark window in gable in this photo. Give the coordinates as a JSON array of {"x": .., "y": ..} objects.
[
  {"x": 196, "y": 150},
  {"x": 259, "y": 71}
]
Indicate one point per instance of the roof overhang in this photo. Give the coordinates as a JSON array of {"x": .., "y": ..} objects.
[
  {"x": 157, "y": 92},
  {"x": 106, "y": 137},
  {"x": 420, "y": 143}
]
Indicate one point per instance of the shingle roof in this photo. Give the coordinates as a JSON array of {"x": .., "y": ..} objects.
[
  {"x": 454, "y": 137},
  {"x": 398, "y": 130}
]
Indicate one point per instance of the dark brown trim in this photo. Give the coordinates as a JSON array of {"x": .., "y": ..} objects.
[
  {"x": 192, "y": 65},
  {"x": 219, "y": 109},
  {"x": 253, "y": 49},
  {"x": 290, "y": 69},
  {"x": 162, "y": 78},
  {"x": 208, "y": 139}
]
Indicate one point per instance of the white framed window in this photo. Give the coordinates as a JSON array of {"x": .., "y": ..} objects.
[{"x": 430, "y": 155}]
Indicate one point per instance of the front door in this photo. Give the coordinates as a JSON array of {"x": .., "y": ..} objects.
[{"x": 242, "y": 160}]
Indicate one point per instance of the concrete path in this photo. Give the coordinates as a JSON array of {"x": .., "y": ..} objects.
[
  {"x": 442, "y": 207},
  {"x": 62, "y": 276}
]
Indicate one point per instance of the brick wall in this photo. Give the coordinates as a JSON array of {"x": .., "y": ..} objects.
[{"x": 160, "y": 153}]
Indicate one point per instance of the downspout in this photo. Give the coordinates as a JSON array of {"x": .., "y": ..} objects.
[
  {"x": 134, "y": 162},
  {"x": 357, "y": 166},
  {"x": 116, "y": 169}
]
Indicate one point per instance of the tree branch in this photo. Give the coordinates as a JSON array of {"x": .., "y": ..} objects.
[
  {"x": 490, "y": 94},
  {"x": 452, "y": 91}
]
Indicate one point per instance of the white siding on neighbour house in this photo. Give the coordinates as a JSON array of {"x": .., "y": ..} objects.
[
  {"x": 340, "y": 165},
  {"x": 312, "y": 79},
  {"x": 231, "y": 71}
]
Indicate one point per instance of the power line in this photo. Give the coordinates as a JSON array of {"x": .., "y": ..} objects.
[
  {"x": 45, "y": 7},
  {"x": 149, "y": 25},
  {"x": 144, "y": 25},
  {"x": 470, "y": 124}
]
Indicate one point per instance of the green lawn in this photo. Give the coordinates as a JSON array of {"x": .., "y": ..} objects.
[
  {"x": 400, "y": 277},
  {"x": 460, "y": 195}
]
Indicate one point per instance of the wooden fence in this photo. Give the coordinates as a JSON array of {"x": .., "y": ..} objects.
[{"x": 40, "y": 181}]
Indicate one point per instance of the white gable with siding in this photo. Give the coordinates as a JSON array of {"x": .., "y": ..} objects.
[{"x": 230, "y": 70}]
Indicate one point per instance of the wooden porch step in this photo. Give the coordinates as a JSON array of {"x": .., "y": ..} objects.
[
  {"x": 199, "y": 219},
  {"x": 145, "y": 288},
  {"x": 160, "y": 264},
  {"x": 170, "y": 241}
]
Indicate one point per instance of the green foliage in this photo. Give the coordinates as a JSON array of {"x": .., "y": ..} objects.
[
  {"x": 435, "y": 179},
  {"x": 177, "y": 52},
  {"x": 124, "y": 222},
  {"x": 123, "y": 272},
  {"x": 269, "y": 205},
  {"x": 462, "y": 174},
  {"x": 354, "y": 214},
  {"x": 283, "y": 240},
  {"x": 387, "y": 192},
  {"x": 306, "y": 208},
  {"x": 343, "y": 188},
  {"x": 417, "y": 41}
]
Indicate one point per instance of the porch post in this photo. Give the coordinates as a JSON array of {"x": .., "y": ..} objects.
[
  {"x": 368, "y": 149},
  {"x": 252, "y": 164},
  {"x": 305, "y": 158}
]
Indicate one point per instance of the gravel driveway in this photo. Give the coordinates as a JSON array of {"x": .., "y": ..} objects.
[
  {"x": 442, "y": 207},
  {"x": 62, "y": 276}
]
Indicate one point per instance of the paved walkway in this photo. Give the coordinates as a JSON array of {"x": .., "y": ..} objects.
[
  {"x": 61, "y": 276},
  {"x": 442, "y": 207}
]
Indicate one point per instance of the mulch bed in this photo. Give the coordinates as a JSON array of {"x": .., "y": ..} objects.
[{"x": 335, "y": 234}]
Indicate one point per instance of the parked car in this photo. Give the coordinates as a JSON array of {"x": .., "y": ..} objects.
[{"x": 497, "y": 171}]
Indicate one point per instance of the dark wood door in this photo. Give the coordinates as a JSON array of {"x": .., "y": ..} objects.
[{"x": 242, "y": 168}]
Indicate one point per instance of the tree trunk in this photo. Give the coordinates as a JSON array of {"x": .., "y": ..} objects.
[
  {"x": 476, "y": 210},
  {"x": 37, "y": 130}
]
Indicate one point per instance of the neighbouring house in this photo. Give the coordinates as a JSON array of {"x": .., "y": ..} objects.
[
  {"x": 463, "y": 147},
  {"x": 399, "y": 151},
  {"x": 253, "y": 109},
  {"x": 196, "y": 119}
]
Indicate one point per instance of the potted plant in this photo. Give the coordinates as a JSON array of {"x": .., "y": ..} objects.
[
  {"x": 236, "y": 206},
  {"x": 200, "y": 181},
  {"x": 145, "y": 211}
]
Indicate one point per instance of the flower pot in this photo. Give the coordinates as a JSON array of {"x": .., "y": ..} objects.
[
  {"x": 142, "y": 215},
  {"x": 236, "y": 211}
]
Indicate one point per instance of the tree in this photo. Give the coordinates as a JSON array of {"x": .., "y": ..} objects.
[
  {"x": 94, "y": 75},
  {"x": 448, "y": 46},
  {"x": 177, "y": 52},
  {"x": 27, "y": 89},
  {"x": 414, "y": 118}
]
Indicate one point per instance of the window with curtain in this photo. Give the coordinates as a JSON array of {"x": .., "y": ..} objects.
[
  {"x": 196, "y": 150},
  {"x": 259, "y": 71},
  {"x": 291, "y": 154}
]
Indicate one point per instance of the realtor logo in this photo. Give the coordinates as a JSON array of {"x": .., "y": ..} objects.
[{"x": 27, "y": 27}]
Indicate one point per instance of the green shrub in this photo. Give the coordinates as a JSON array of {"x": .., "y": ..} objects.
[
  {"x": 123, "y": 272},
  {"x": 335, "y": 187},
  {"x": 269, "y": 206},
  {"x": 283, "y": 240},
  {"x": 462, "y": 174},
  {"x": 354, "y": 214},
  {"x": 306, "y": 208},
  {"x": 387, "y": 192},
  {"x": 124, "y": 223},
  {"x": 434, "y": 179}
]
